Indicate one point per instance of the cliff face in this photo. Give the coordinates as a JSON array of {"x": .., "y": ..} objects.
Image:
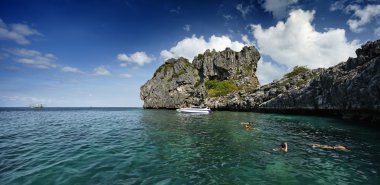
[
  {"x": 253, "y": 101},
  {"x": 174, "y": 84},
  {"x": 350, "y": 89},
  {"x": 230, "y": 65},
  {"x": 178, "y": 83}
]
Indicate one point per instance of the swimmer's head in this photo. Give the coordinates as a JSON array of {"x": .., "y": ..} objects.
[{"x": 284, "y": 145}]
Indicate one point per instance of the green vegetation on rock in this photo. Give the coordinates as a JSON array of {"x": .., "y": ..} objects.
[
  {"x": 220, "y": 87},
  {"x": 163, "y": 67},
  {"x": 297, "y": 70},
  {"x": 197, "y": 83},
  {"x": 176, "y": 75},
  {"x": 301, "y": 82},
  {"x": 248, "y": 70},
  {"x": 200, "y": 57}
]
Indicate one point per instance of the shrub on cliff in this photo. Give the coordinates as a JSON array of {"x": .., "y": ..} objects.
[
  {"x": 220, "y": 87},
  {"x": 164, "y": 67},
  {"x": 297, "y": 70}
]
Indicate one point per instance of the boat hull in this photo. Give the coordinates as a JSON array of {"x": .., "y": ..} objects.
[{"x": 192, "y": 110}]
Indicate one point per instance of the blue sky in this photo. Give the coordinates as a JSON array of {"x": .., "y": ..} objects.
[{"x": 99, "y": 53}]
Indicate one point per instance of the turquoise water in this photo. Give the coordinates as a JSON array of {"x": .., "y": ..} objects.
[{"x": 136, "y": 146}]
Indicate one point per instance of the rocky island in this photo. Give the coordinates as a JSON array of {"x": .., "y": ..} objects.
[{"x": 227, "y": 80}]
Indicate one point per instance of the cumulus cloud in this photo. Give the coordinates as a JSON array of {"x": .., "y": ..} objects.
[
  {"x": 246, "y": 40},
  {"x": 362, "y": 16},
  {"x": 69, "y": 69},
  {"x": 125, "y": 75},
  {"x": 244, "y": 10},
  {"x": 102, "y": 71},
  {"x": 268, "y": 71},
  {"x": 140, "y": 58},
  {"x": 187, "y": 27},
  {"x": 34, "y": 58},
  {"x": 17, "y": 32},
  {"x": 278, "y": 8},
  {"x": 190, "y": 47},
  {"x": 296, "y": 42}
]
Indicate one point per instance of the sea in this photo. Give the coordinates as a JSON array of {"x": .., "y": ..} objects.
[{"x": 105, "y": 146}]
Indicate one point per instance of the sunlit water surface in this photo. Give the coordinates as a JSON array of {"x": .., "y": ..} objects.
[{"x": 135, "y": 146}]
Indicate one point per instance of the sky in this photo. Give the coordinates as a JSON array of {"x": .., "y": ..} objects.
[{"x": 76, "y": 53}]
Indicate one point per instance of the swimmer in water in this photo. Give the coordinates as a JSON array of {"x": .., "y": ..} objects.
[
  {"x": 337, "y": 147},
  {"x": 283, "y": 147},
  {"x": 247, "y": 125}
]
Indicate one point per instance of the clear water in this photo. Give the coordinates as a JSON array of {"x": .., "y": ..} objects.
[{"x": 136, "y": 146}]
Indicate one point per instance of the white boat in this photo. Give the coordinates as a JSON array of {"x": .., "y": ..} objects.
[
  {"x": 36, "y": 106},
  {"x": 195, "y": 109}
]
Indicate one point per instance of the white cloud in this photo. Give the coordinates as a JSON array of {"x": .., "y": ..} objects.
[
  {"x": 244, "y": 10},
  {"x": 190, "y": 47},
  {"x": 17, "y": 32},
  {"x": 296, "y": 42},
  {"x": 278, "y": 8},
  {"x": 362, "y": 16},
  {"x": 140, "y": 58},
  {"x": 69, "y": 69},
  {"x": 377, "y": 31},
  {"x": 125, "y": 75},
  {"x": 187, "y": 27},
  {"x": 102, "y": 71},
  {"x": 34, "y": 58},
  {"x": 267, "y": 72},
  {"x": 246, "y": 40},
  {"x": 338, "y": 5}
]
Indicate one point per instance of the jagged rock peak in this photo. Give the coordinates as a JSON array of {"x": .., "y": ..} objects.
[
  {"x": 172, "y": 85},
  {"x": 369, "y": 50},
  {"x": 230, "y": 65},
  {"x": 178, "y": 83}
]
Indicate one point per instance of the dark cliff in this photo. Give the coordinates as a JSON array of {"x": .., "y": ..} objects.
[{"x": 350, "y": 89}]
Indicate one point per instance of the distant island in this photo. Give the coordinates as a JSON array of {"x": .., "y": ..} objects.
[{"x": 227, "y": 80}]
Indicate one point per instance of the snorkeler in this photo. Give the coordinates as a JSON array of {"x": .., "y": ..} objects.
[
  {"x": 283, "y": 147},
  {"x": 247, "y": 125},
  {"x": 338, "y": 147}
]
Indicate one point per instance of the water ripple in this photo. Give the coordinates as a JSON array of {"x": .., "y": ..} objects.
[{"x": 135, "y": 146}]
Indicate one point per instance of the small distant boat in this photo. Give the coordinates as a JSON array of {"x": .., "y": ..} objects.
[
  {"x": 195, "y": 109},
  {"x": 36, "y": 106}
]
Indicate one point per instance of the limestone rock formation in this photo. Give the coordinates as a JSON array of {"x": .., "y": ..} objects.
[
  {"x": 251, "y": 101},
  {"x": 350, "y": 89},
  {"x": 230, "y": 65},
  {"x": 178, "y": 83}
]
